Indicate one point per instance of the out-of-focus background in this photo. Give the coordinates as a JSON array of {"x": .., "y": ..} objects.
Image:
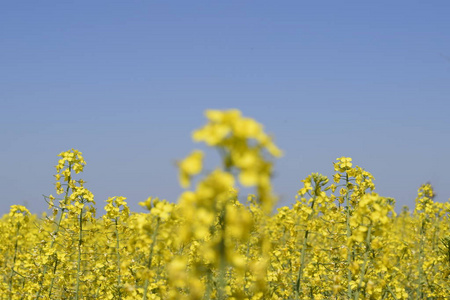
[{"x": 126, "y": 82}]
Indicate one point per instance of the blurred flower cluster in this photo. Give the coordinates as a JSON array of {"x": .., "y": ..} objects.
[{"x": 339, "y": 240}]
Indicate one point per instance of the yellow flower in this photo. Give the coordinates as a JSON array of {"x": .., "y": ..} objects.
[
  {"x": 337, "y": 177},
  {"x": 190, "y": 166},
  {"x": 219, "y": 116},
  {"x": 343, "y": 164},
  {"x": 249, "y": 177},
  {"x": 212, "y": 134},
  {"x": 247, "y": 128}
]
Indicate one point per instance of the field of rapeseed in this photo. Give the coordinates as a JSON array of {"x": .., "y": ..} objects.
[{"x": 340, "y": 240}]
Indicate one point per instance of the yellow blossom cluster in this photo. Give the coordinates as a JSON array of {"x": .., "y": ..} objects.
[{"x": 339, "y": 240}]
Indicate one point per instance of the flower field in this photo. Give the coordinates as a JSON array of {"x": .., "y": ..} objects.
[{"x": 339, "y": 240}]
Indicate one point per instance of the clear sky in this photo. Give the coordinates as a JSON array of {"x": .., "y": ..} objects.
[{"x": 126, "y": 82}]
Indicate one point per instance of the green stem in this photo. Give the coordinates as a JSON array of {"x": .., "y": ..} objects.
[
  {"x": 149, "y": 262},
  {"x": 14, "y": 260},
  {"x": 349, "y": 233},
  {"x": 222, "y": 280},
  {"x": 118, "y": 258},
  {"x": 420, "y": 261},
  {"x": 209, "y": 286},
  {"x": 221, "y": 293},
  {"x": 54, "y": 234},
  {"x": 80, "y": 240},
  {"x": 53, "y": 279},
  {"x": 391, "y": 292},
  {"x": 303, "y": 253},
  {"x": 366, "y": 256}
]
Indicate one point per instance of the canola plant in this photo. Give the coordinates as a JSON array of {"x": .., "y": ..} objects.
[{"x": 339, "y": 240}]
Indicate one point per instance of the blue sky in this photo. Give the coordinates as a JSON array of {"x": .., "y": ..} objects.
[{"x": 126, "y": 82}]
